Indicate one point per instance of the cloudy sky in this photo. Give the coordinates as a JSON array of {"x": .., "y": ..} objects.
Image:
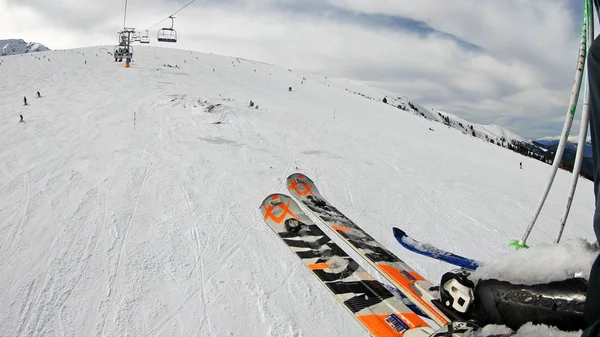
[{"x": 505, "y": 62}]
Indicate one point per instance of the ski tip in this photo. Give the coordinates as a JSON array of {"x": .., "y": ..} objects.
[
  {"x": 294, "y": 175},
  {"x": 299, "y": 177},
  {"x": 271, "y": 198},
  {"x": 398, "y": 232}
]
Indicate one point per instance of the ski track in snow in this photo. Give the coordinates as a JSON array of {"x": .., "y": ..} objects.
[
  {"x": 111, "y": 228},
  {"x": 10, "y": 239},
  {"x": 114, "y": 278}
]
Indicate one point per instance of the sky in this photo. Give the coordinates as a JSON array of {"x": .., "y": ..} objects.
[{"x": 509, "y": 62}]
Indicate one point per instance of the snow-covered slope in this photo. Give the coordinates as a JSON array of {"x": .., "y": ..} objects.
[
  {"x": 18, "y": 46},
  {"x": 130, "y": 196},
  {"x": 488, "y": 132}
]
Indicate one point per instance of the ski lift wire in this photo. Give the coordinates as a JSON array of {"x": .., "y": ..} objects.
[{"x": 168, "y": 17}]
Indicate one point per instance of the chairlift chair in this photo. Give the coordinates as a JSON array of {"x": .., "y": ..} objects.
[
  {"x": 122, "y": 39},
  {"x": 123, "y": 52},
  {"x": 167, "y": 34},
  {"x": 144, "y": 38}
]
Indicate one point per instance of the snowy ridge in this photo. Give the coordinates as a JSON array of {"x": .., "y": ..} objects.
[
  {"x": 130, "y": 195},
  {"x": 18, "y": 46},
  {"x": 489, "y": 132},
  {"x": 571, "y": 138}
]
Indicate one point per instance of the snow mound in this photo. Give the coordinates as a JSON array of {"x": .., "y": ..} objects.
[
  {"x": 541, "y": 264},
  {"x": 531, "y": 330},
  {"x": 527, "y": 330}
]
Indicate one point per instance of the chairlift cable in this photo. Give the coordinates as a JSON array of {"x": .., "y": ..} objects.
[{"x": 171, "y": 16}]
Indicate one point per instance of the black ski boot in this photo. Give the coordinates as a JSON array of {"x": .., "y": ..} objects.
[{"x": 558, "y": 304}]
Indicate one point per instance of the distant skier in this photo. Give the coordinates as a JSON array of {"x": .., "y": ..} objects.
[
  {"x": 21, "y": 121},
  {"x": 521, "y": 165},
  {"x": 24, "y": 100},
  {"x": 38, "y": 94}
]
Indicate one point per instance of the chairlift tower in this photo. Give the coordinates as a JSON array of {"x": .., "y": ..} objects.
[{"x": 124, "y": 50}]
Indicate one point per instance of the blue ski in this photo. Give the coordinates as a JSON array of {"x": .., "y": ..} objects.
[{"x": 434, "y": 252}]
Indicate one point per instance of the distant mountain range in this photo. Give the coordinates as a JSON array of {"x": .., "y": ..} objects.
[
  {"x": 552, "y": 143},
  {"x": 19, "y": 46}
]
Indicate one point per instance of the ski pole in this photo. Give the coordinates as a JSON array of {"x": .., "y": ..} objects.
[
  {"x": 582, "y": 133},
  {"x": 566, "y": 127}
]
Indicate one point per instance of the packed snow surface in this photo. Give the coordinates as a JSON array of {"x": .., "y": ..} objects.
[{"x": 130, "y": 195}]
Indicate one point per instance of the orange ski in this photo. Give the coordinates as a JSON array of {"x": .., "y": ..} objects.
[
  {"x": 370, "y": 303},
  {"x": 414, "y": 286}
]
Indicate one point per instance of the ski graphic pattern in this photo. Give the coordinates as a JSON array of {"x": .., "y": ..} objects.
[
  {"x": 414, "y": 286},
  {"x": 363, "y": 296}
]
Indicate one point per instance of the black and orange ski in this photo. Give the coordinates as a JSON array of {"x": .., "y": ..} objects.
[
  {"x": 414, "y": 286},
  {"x": 373, "y": 306}
]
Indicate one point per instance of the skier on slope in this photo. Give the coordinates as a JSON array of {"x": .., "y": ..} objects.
[{"x": 497, "y": 302}]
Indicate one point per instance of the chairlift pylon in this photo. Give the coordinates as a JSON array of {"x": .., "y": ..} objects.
[
  {"x": 167, "y": 34},
  {"x": 124, "y": 50}
]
